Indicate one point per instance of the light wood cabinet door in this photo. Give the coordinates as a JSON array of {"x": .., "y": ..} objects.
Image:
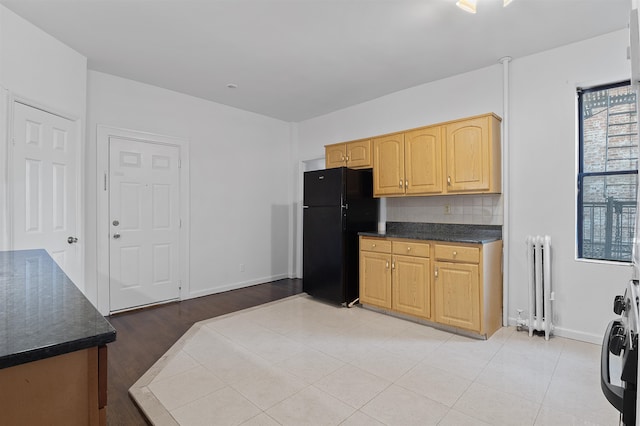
[
  {"x": 335, "y": 155},
  {"x": 469, "y": 150},
  {"x": 355, "y": 155},
  {"x": 388, "y": 165},
  {"x": 411, "y": 285},
  {"x": 457, "y": 295},
  {"x": 359, "y": 154},
  {"x": 375, "y": 279},
  {"x": 423, "y": 161}
]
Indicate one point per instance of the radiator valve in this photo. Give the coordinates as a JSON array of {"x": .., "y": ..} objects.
[{"x": 520, "y": 322}]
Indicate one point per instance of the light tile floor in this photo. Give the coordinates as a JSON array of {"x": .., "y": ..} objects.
[{"x": 302, "y": 362}]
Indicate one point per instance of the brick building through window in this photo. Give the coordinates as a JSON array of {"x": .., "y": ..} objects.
[{"x": 608, "y": 171}]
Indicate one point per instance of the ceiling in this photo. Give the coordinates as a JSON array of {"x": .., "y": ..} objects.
[{"x": 298, "y": 59}]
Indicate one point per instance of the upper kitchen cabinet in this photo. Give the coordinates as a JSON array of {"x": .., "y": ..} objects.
[
  {"x": 423, "y": 161},
  {"x": 355, "y": 154},
  {"x": 473, "y": 155},
  {"x": 408, "y": 163},
  {"x": 456, "y": 157},
  {"x": 335, "y": 155},
  {"x": 388, "y": 165}
]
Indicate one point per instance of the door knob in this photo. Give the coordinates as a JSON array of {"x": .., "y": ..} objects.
[
  {"x": 72, "y": 240},
  {"x": 116, "y": 236}
]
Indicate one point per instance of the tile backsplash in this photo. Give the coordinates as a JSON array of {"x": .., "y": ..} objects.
[{"x": 467, "y": 209}]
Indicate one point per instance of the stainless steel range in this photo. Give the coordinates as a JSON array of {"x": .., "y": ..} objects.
[{"x": 621, "y": 340}]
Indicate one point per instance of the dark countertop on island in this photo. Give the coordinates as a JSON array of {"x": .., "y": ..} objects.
[
  {"x": 42, "y": 313},
  {"x": 448, "y": 232}
]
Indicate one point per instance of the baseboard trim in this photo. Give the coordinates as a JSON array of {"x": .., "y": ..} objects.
[
  {"x": 571, "y": 334},
  {"x": 235, "y": 286}
]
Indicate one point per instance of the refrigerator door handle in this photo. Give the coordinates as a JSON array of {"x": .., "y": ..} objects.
[
  {"x": 305, "y": 207},
  {"x": 344, "y": 217}
]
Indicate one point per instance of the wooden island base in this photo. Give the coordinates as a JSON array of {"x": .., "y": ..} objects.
[{"x": 68, "y": 389}]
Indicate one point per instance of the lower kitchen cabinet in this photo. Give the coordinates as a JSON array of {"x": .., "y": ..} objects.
[
  {"x": 468, "y": 286},
  {"x": 457, "y": 295},
  {"x": 453, "y": 284},
  {"x": 410, "y": 278},
  {"x": 395, "y": 275},
  {"x": 376, "y": 273}
]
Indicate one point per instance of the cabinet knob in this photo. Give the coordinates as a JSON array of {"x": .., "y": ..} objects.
[
  {"x": 347, "y": 158},
  {"x": 408, "y": 248},
  {"x": 406, "y": 183},
  {"x": 387, "y": 264},
  {"x": 373, "y": 245},
  {"x": 400, "y": 183},
  {"x": 449, "y": 180},
  {"x": 436, "y": 272},
  {"x": 393, "y": 265},
  {"x": 455, "y": 253}
]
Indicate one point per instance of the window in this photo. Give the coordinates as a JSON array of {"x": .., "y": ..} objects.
[{"x": 608, "y": 171}]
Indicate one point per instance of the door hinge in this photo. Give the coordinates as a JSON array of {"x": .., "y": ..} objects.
[
  {"x": 179, "y": 285},
  {"x": 105, "y": 181}
]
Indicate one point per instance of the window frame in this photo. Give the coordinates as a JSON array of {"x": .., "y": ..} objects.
[{"x": 582, "y": 174}]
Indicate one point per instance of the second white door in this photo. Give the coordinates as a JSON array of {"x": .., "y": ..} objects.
[
  {"x": 45, "y": 187},
  {"x": 144, "y": 224}
]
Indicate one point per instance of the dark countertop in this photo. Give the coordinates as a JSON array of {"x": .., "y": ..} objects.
[
  {"x": 478, "y": 234},
  {"x": 42, "y": 313}
]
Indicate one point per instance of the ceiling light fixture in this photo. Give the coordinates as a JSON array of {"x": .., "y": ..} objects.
[
  {"x": 470, "y": 5},
  {"x": 467, "y": 5}
]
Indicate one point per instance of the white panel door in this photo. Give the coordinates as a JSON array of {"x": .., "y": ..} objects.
[
  {"x": 44, "y": 185},
  {"x": 144, "y": 223}
]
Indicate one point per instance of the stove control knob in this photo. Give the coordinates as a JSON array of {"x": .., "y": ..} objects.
[
  {"x": 617, "y": 329},
  {"x": 618, "y": 304},
  {"x": 616, "y": 344}
]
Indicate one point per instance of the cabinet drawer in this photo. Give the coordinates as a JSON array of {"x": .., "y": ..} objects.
[
  {"x": 408, "y": 248},
  {"x": 375, "y": 244},
  {"x": 458, "y": 253}
]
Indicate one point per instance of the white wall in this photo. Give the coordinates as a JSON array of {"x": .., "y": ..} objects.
[
  {"x": 37, "y": 68},
  {"x": 543, "y": 178},
  {"x": 459, "y": 96},
  {"x": 243, "y": 182},
  {"x": 240, "y": 179},
  {"x": 542, "y": 162},
  {"x": 455, "y": 97}
]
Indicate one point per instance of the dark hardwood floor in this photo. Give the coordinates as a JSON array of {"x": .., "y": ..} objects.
[{"x": 143, "y": 336}]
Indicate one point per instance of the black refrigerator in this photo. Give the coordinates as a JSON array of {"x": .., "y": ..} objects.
[{"x": 338, "y": 203}]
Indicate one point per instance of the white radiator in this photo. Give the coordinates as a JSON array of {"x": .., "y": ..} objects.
[{"x": 540, "y": 295}]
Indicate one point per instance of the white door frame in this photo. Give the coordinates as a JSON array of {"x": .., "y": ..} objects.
[
  {"x": 9, "y": 242},
  {"x": 102, "y": 195}
]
